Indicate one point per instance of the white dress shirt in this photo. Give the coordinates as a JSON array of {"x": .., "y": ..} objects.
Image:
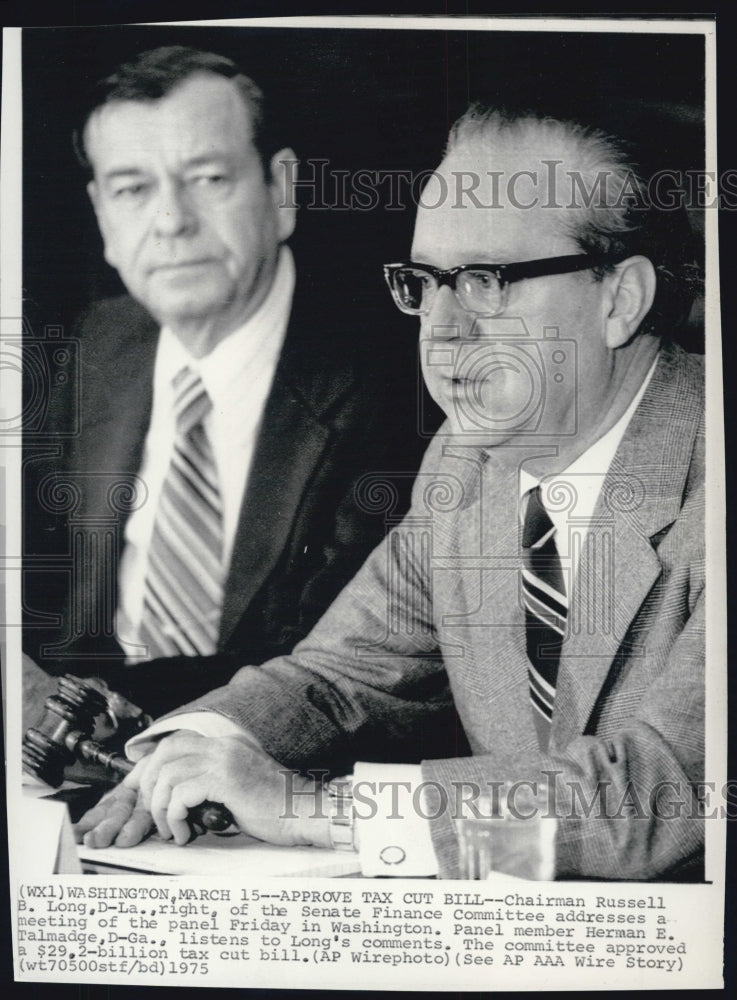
[
  {"x": 389, "y": 845},
  {"x": 584, "y": 477},
  {"x": 237, "y": 375}
]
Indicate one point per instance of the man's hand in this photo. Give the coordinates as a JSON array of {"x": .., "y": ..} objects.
[
  {"x": 119, "y": 818},
  {"x": 186, "y": 769}
]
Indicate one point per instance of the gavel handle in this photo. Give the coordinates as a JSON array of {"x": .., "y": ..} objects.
[{"x": 210, "y": 815}]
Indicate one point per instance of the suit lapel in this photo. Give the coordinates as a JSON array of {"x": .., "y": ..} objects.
[
  {"x": 117, "y": 445},
  {"x": 289, "y": 448},
  {"x": 118, "y": 348},
  {"x": 641, "y": 496},
  {"x": 511, "y": 727},
  {"x": 489, "y": 669},
  {"x": 617, "y": 571},
  {"x": 309, "y": 382},
  {"x": 117, "y": 412}
]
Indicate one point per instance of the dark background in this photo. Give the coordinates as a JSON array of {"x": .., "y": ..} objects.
[{"x": 362, "y": 99}]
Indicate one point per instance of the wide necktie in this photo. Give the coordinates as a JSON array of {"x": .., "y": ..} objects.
[
  {"x": 546, "y": 609},
  {"x": 183, "y": 593}
]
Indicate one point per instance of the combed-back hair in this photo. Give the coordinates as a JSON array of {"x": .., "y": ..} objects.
[
  {"x": 611, "y": 213},
  {"x": 155, "y": 73}
]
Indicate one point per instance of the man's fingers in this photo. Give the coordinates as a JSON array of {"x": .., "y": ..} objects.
[
  {"x": 184, "y": 796},
  {"x": 118, "y": 812},
  {"x": 138, "y": 827},
  {"x": 103, "y": 834},
  {"x": 116, "y": 806},
  {"x": 185, "y": 770},
  {"x": 159, "y": 804},
  {"x": 133, "y": 778},
  {"x": 122, "y": 820},
  {"x": 90, "y": 819},
  {"x": 170, "y": 750},
  {"x": 168, "y": 776}
]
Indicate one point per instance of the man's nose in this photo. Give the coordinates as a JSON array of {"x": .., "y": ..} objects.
[
  {"x": 174, "y": 213},
  {"x": 446, "y": 319}
]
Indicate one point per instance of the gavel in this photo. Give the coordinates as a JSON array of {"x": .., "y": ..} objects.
[{"x": 64, "y": 736}]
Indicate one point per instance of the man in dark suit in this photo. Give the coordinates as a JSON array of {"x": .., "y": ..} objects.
[
  {"x": 194, "y": 201},
  {"x": 550, "y": 572}
]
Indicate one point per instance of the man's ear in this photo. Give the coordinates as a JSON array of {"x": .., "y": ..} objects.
[
  {"x": 94, "y": 195},
  {"x": 631, "y": 294},
  {"x": 283, "y": 168}
]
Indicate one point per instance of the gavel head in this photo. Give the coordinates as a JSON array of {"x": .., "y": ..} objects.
[{"x": 69, "y": 716}]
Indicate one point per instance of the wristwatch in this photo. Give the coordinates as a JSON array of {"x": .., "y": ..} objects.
[{"x": 340, "y": 813}]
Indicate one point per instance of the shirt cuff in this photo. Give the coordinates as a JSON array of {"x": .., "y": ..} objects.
[
  {"x": 392, "y": 830},
  {"x": 210, "y": 724}
]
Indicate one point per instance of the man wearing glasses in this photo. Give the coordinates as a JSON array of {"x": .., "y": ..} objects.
[{"x": 550, "y": 571}]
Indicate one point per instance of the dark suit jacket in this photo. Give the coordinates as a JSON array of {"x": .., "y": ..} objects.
[
  {"x": 437, "y": 606},
  {"x": 343, "y": 406}
]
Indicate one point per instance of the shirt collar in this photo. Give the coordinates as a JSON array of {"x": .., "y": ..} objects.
[{"x": 589, "y": 468}]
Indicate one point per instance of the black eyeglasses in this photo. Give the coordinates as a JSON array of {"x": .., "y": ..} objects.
[{"x": 479, "y": 288}]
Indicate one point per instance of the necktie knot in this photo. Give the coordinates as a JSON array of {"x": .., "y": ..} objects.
[
  {"x": 191, "y": 402},
  {"x": 537, "y": 524}
]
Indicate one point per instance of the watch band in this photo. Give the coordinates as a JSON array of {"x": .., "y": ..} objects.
[{"x": 340, "y": 813}]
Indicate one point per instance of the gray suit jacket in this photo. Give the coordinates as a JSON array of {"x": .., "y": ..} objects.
[{"x": 437, "y": 605}]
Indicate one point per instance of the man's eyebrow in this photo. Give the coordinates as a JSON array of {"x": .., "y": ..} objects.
[
  {"x": 195, "y": 161},
  {"x": 117, "y": 172},
  {"x": 205, "y": 159}
]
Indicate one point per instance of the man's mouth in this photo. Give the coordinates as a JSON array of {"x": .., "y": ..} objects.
[
  {"x": 462, "y": 382},
  {"x": 178, "y": 265}
]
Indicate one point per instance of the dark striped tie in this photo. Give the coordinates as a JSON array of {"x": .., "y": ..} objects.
[
  {"x": 546, "y": 609},
  {"x": 183, "y": 595}
]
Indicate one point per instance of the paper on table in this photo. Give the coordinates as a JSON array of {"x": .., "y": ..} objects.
[
  {"x": 47, "y": 839},
  {"x": 215, "y": 854}
]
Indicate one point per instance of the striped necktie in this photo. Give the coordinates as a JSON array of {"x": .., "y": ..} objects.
[
  {"x": 183, "y": 593},
  {"x": 546, "y": 609}
]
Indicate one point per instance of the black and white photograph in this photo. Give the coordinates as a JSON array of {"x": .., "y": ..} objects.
[{"x": 363, "y": 474}]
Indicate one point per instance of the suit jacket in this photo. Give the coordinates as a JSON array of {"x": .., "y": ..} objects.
[
  {"x": 342, "y": 407},
  {"x": 437, "y": 607}
]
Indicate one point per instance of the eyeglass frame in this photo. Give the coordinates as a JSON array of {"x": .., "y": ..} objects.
[{"x": 505, "y": 274}]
